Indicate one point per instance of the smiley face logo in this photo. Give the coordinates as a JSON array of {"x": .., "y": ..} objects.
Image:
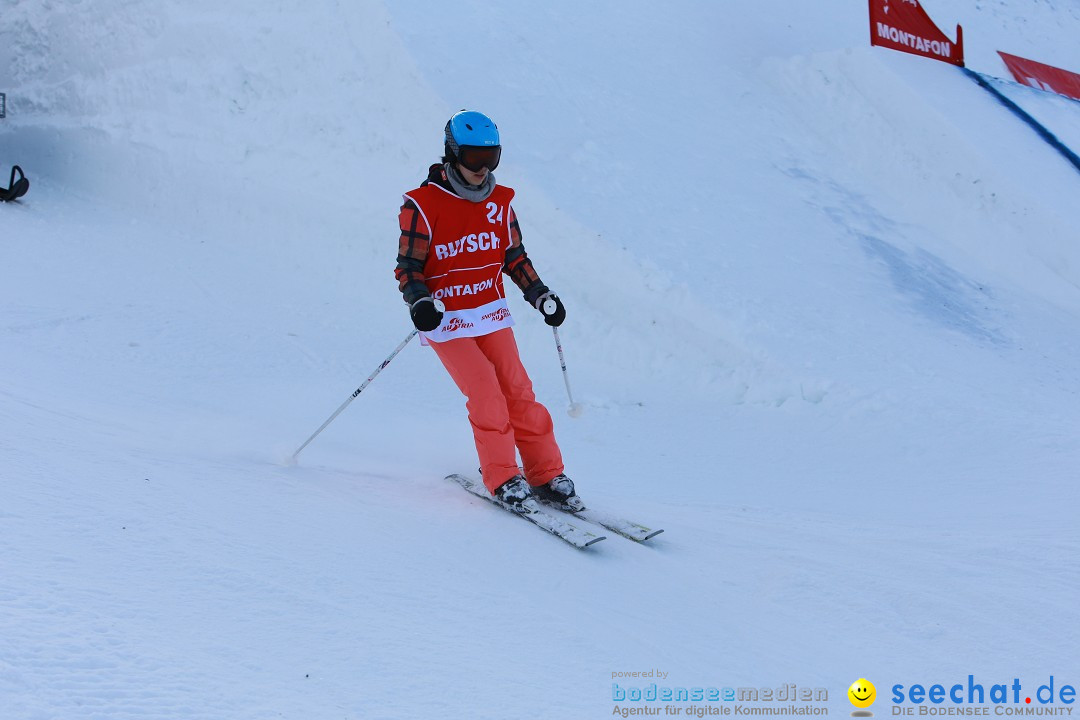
[{"x": 862, "y": 693}]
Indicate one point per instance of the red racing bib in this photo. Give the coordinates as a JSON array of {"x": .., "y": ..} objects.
[{"x": 465, "y": 259}]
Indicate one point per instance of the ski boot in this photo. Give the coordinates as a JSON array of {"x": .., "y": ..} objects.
[
  {"x": 559, "y": 492},
  {"x": 514, "y": 493}
]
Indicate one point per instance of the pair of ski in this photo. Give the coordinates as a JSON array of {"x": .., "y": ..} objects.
[{"x": 579, "y": 537}]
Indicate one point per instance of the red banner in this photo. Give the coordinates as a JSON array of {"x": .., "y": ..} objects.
[
  {"x": 1044, "y": 77},
  {"x": 903, "y": 25}
]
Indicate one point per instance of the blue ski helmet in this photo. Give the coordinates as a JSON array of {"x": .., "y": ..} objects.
[{"x": 471, "y": 129}]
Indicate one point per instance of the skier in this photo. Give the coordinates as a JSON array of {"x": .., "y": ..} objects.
[{"x": 459, "y": 234}]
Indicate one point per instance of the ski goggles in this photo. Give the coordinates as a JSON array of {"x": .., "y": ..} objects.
[{"x": 477, "y": 158}]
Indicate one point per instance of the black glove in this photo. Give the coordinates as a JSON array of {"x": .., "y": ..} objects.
[
  {"x": 551, "y": 307},
  {"x": 17, "y": 188},
  {"x": 426, "y": 314}
]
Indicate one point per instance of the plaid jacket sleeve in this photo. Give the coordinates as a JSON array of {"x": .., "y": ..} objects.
[
  {"x": 518, "y": 265},
  {"x": 412, "y": 253}
]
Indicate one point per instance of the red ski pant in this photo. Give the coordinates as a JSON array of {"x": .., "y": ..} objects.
[{"x": 502, "y": 408}]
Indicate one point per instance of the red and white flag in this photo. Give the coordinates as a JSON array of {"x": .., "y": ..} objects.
[
  {"x": 904, "y": 25},
  {"x": 1044, "y": 77}
]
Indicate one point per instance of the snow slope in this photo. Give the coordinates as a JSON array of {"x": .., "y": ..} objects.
[{"x": 822, "y": 310}]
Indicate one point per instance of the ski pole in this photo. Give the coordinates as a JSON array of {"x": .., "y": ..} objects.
[
  {"x": 575, "y": 409},
  {"x": 355, "y": 393}
]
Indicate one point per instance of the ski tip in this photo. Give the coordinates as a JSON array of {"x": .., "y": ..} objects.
[
  {"x": 651, "y": 535},
  {"x": 594, "y": 540}
]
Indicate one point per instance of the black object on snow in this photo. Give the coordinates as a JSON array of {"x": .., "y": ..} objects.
[{"x": 16, "y": 188}]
